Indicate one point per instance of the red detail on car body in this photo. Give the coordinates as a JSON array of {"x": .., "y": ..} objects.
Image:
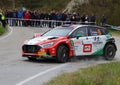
[
  {"x": 52, "y": 50},
  {"x": 87, "y": 48}
]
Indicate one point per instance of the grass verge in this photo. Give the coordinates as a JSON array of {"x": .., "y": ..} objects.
[
  {"x": 104, "y": 74},
  {"x": 114, "y": 32},
  {"x": 2, "y": 30}
]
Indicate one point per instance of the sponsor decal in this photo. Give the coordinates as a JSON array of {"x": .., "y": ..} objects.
[
  {"x": 97, "y": 43},
  {"x": 42, "y": 53},
  {"x": 77, "y": 42},
  {"x": 97, "y": 40},
  {"x": 87, "y": 48}
]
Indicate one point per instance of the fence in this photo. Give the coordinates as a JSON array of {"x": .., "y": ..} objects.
[{"x": 42, "y": 23}]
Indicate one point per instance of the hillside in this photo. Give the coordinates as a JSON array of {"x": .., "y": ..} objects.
[
  {"x": 110, "y": 8},
  {"x": 34, "y": 4}
]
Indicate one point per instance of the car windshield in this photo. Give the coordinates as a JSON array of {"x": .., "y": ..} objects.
[{"x": 58, "y": 32}]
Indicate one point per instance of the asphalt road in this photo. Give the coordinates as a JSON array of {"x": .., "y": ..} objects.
[{"x": 16, "y": 70}]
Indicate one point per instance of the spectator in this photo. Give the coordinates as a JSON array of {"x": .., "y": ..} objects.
[
  {"x": 58, "y": 18},
  {"x": 92, "y": 19},
  {"x": 103, "y": 20},
  {"x": 64, "y": 17},
  {"x": 86, "y": 19},
  {"x": 83, "y": 19},
  {"x": 52, "y": 18},
  {"x": 10, "y": 16},
  {"x": 32, "y": 22},
  {"x": 15, "y": 16},
  {"x": 46, "y": 19},
  {"x": 78, "y": 18},
  {"x": 42, "y": 17},
  {"x": 73, "y": 19},
  {"x": 2, "y": 18},
  {"x": 20, "y": 16},
  {"x": 27, "y": 18}
]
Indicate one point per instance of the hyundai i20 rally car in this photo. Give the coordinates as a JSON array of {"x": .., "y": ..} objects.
[{"x": 67, "y": 41}]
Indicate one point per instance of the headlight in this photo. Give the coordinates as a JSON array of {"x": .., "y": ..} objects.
[{"x": 47, "y": 45}]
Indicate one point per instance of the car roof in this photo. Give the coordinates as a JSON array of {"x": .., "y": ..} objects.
[
  {"x": 80, "y": 25},
  {"x": 73, "y": 25}
]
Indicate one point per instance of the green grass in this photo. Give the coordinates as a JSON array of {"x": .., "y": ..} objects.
[
  {"x": 2, "y": 30},
  {"x": 104, "y": 74},
  {"x": 114, "y": 32}
]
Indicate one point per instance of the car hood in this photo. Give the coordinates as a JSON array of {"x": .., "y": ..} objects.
[{"x": 40, "y": 40}]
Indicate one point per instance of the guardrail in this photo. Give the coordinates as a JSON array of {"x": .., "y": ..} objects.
[{"x": 41, "y": 23}]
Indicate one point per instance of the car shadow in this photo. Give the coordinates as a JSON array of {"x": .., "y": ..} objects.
[
  {"x": 47, "y": 61},
  {"x": 74, "y": 59},
  {"x": 86, "y": 58}
]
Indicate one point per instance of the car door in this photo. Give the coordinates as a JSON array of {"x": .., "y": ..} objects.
[
  {"x": 82, "y": 45},
  {"x": 98, "y": 39}
]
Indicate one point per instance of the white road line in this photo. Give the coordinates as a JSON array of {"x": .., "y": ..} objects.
[
  {"x": 40, "y": 74},
  {"x": 11, "y": 30}
]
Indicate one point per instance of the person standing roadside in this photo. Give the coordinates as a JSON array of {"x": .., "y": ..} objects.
[
  {"x": 2, "y": 18},
  {"x": 103, "y": 20},
  {"x": 92, "y": 19},
  {"x": 27, "y": 18},
  {"x": 20, "y": 17}
]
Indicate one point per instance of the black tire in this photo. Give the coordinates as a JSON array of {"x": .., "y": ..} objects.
[
  {"x": 62, "y": 54},
  {"x": 109, "y": 52},
  {"x": 31, "y": 58}
]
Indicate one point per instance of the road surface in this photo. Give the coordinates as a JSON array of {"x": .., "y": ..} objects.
[{"x": 16, "y": 70}]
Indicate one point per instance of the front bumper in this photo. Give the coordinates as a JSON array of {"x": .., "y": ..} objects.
[{"x": 37, "y": 51}]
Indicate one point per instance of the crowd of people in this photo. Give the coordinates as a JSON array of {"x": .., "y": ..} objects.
[{"x": 47, "y": 19}]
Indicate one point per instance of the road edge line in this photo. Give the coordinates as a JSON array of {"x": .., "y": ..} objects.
[
  {"x": 5, "y": 36},
  {"x": 40, "y": 74}
]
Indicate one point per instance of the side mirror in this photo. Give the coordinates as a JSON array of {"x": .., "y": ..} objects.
[{"x": 78, "y": 35}]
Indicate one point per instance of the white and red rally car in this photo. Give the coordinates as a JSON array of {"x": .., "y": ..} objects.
[{"x": 66, "y": 41}]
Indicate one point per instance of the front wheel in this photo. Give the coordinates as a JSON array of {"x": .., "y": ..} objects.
[
  {"x": 62, "y": 54},
  {"x": 109, "y": 52},
  {"x": 31, "y": 58}
]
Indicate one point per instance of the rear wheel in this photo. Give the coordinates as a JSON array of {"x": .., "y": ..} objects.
[
  {"x": 109, "y": 52},
  {"x": 62, "y": 54}
]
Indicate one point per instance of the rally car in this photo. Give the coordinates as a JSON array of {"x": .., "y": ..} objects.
[{"x": 67, "y": 41}]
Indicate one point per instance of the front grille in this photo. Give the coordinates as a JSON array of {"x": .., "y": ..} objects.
[{"x": 30, "y": 48}]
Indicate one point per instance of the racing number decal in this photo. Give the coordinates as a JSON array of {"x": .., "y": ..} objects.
[{"x": 87, "y": 48}]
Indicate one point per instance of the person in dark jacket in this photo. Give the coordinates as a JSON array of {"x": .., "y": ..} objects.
[
  {"x": 42, "y": 18},
  {"x": 9, "y": 15},
  {"x": 92, "y": 19},
  {"x": 15, "y": 16},
  {"x": 103, "y": 20},
  {"x": 83, "y": 19},
  {"x": 58, "y": 18},
  {"x": 52, "y": 18}
]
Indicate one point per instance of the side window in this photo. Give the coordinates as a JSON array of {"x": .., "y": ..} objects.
[
  {"x": 104, "y": 31},
  {"x": 81, "y": 30},
  {"x": 94, "y": 31}
]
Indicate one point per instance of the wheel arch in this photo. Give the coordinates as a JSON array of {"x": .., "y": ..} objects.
[
  {"x": 111, "y": 44},
  {"x": 65, "y": 44}
]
